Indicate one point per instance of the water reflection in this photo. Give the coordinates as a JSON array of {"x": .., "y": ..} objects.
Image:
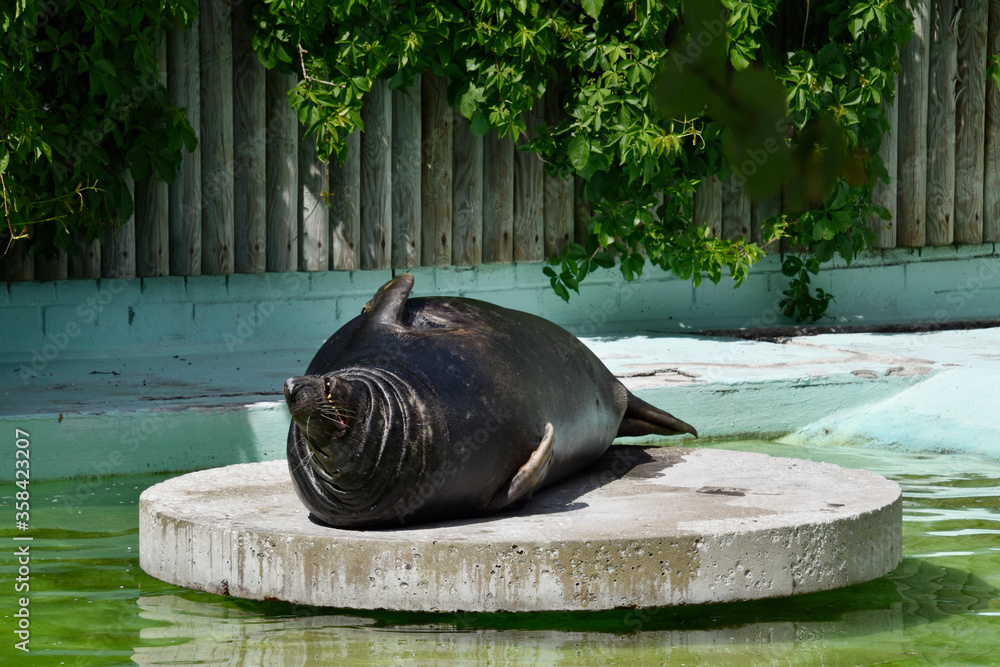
[
  {"x": 866, "y": 622},
  {"x": 211, "y": 633}
]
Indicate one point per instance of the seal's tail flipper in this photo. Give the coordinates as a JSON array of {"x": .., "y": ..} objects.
[
  {"x": 529, "y": 476},
  {"x": 641, "y": 418}
]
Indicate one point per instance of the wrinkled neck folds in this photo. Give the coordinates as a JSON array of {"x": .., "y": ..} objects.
[{"x": 383, "y": 453}]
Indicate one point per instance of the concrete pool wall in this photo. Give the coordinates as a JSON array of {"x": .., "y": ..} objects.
[{"x": 120, "y": 376}]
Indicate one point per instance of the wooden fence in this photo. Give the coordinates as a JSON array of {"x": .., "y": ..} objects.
[
  {"x": 417, "y": 188},
  {"x": 945, "y": 155}
]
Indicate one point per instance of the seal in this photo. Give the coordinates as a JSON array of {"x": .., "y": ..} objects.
[{"x": 439, "y": 408}]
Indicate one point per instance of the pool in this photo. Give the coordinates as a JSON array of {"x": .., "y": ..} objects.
[{"x": 90, "y": 604}]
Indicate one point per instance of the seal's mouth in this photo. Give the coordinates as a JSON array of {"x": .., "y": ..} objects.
[
  {"x": 334, "y": 412},
  {"x": 317, "y": 406}
]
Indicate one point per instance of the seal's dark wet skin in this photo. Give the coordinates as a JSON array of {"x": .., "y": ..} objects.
[{"x": 441, "y": 408}]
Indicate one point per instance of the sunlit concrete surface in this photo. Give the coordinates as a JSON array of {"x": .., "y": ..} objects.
[{"x": 644, "y": 527}]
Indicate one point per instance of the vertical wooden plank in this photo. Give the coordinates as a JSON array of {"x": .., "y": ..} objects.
[
  {"x": 313, "y": 216},
  {"x": 970, "y": 121},
  {"x": 708, "y": 205},
  {"x": 467, "y": 195},
  {"x": 118, "y": 246},
  {"x": 558, "y": 213},
  {"x": 18, "y": 266},
  {"x": 152, "y": 202},
  {"x": 529, "y": 197},
  {"x": 86, "y": 262},
  {"x": 498, "y": 198},
  {"x": 376, "y": 178},
  {"x": 436, "y": 172},
  {"x": 216, "y": 49},
  {"x": 911, "y": 191},
  {"x": 760, "y": 211},
  {"x": 991, "y": 185},
  {"x": 51, "y": 267},
  {"x": 582, "y": 211},
  {"x": 884, "y": 194},
  {"x": 184, "y": 194},
  {"x": 249, "y": 151},
  {"x": 406, "y": 149},
  {"x": 281, "y": 174},
  {"x": 345, "y": 207},
  {"x": 735, "y": 210},
  {"x": 941, "y": 125},
  {"x": 558, "y": 191}
]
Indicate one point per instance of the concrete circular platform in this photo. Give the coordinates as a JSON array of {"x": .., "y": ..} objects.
[{"x": 644, "y": 527}]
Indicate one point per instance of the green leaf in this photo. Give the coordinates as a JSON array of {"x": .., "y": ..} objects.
[
  {"x": 845, "y": 248},
  {"x": 579, "y": 151},
  {"x": 560, "y": 290},
  {"x": 480, "y": 124},
  {"x": 993, "y": 71},
  {"x": 397, "y": 80},
  {"x": 467, "y": 101},
  {"x": 605, "y": 260},
  {"x": 856, "y": 25},
  {"x": 739, "y": 60},
  {"x": 824, "y": 229},
  {"x": 593, "y": 7},
  {"x": 791, "y": 265},
  {"x": 626, "y": 270},
  {"x": 841, "y": 197},
  {"x": 576, "y": 251}
]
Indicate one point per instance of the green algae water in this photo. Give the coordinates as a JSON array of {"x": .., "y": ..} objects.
[{"x": 90, "y": 604}]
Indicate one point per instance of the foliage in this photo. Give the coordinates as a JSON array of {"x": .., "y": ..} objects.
[
  {"x": 799, "y": 113},
  {"x": 657, "y": 96},
  {"x": 81, "y": 105}
]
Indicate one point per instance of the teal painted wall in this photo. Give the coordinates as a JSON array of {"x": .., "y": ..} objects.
[{"x": 240, "y": 311}]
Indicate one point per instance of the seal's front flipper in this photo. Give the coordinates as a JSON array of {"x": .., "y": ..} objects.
[
  {"x": 530, "y": 475},
  {"x": 641, "y": 418}
]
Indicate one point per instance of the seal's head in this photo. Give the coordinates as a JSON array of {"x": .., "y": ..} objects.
[
  {"x": 326, "y": 409},
  {"x": 319, "y": 405},
  {"x": 358, "y": 441}
]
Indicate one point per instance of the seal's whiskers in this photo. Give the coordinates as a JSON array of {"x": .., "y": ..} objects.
[{"x": 304, "y": 461}]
